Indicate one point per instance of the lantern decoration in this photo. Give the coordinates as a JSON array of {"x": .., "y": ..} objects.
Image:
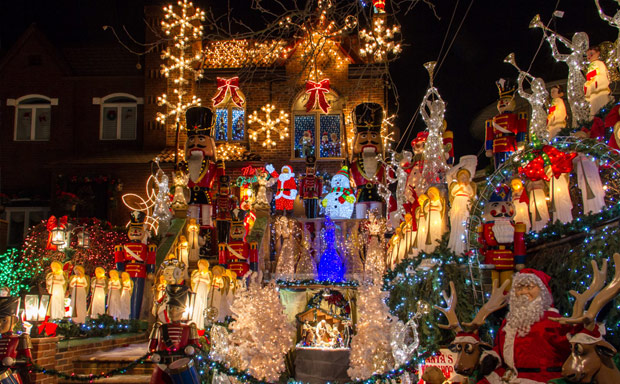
[
  {"x": 83, "y": 238},
  {"x": 57, "y": 229}
]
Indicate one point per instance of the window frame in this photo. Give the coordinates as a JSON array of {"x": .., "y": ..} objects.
[
  {"x": 26, "y": 211},
  {"x": 119, "y": 107},
  {"x": 229, "y": 106},
  {"x": 17, "y": 103},
  {"x": 336, "y": 109}
]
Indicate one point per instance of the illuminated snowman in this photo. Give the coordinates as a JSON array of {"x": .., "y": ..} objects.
[{"x": 340, "y": 200}]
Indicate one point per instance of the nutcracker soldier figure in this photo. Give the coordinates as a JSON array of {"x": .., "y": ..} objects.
[
  {"x": 505, "y": 133},
  {"x": 14, "y": 350},
  {"x": 176, "y": 340},
  {"x": 366, "y": 169},
  {"x": 224, "y": 204},
  {"x": 200, "y": 163},
  {"x": 310, "y": 188},
  {"x": 137, "y": 259},
  {"x": 502, "y": 241},
  {"x": 237, "y": 254}
]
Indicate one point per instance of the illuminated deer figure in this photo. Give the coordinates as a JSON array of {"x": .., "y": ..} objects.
[
  {"x": 591, "y": 356},
  {"x": 467, "y": 344}
]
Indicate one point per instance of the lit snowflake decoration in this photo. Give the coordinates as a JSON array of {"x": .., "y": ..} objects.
[{"x": 269, "y": 125}]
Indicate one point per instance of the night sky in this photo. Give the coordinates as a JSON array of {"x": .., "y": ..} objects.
[{"x": 466, "y": 79}]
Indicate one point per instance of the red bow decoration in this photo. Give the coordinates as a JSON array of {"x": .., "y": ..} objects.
[
  {"x": 317, "y": 93},
  {"x": 559, "y": 161},
  {"x": 224, "y": 86},
  {"x": 52, "y": 223}
]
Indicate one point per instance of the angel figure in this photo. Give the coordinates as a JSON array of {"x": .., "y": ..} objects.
[
  {"x": 201, "y": 283},
  {"x": 288, "y": 255},
  {"x": 394, "y": 248},
  {"x": 579, "y": 107},
  {"x": 589, "y": 182},
  {"x": 180, "y": 186},
  {"x": 556, "y": 115},
  {"x": 538, "y": 204},
  {"x": 306, "y": 266},
  {"x": 114, "y": 294},
  {"x": 434, "y": 211},
  {"x": 462, "y": 191},
  {"x": 422, "y": 219},
  {"x": 374, "y": 264},
  {"x": 435, "y": 167},
  {"x": 78, "y": 286},
  {"x": 559, "y": 194},
  {"x": 537, "y": 98},
  {"x": 596, "y": 87},
  {"x": 126, "y": 292},
  {"x": 98, "y": 291},
  {"x": 401, "y": 165},
  {"x": 521, "y": 203},
  {"x": 263, "y": 182},
  {"x": 55, "y": 282},
  {"x": 614, "y": 21}
]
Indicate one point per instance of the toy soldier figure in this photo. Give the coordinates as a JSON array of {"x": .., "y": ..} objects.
[
  {"x": 505, "y": 133},
  {"x": 174, "y": 338},
  {"x": 200, "y": 163},
  {"x": 224, "y": 205},
  {"x": 502, "y": 241},
  {"x": 310, "y": 188},
  {"x": 366, "y": 170},
  {"x": 237, "y": 254},
  {"x": 14, "y": 350},
  {"x": 136, "y": 258}
]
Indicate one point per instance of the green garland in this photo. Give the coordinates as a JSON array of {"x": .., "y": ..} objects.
[
  {"x": 105, "y": 325},
  {"x": 601, "y": 114},
  {"x": 308, "y": 282}
]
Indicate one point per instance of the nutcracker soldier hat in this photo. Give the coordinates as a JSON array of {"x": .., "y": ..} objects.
[
  {"x": 310, "y": 161},
  {"x": 501, "y": 193},
  {"x": 137, "y": 219},
  {"x": 199, "y": 121},
  {"x": 224, "y": 180},
  {"x": 8, "y": 306},
  {"x": 177, "y": 295},
  {"x": 506, "y": 88},
  {"x": 368, "y": 117}
]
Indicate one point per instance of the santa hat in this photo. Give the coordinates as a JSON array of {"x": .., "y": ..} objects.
[
  {"x": 540, "y": 278},
  {"x": 420, "y": 138},
  {"x": 583, "y": 335},
  {"x": 287, "y": 167},
  {"x": 466, "y": 337},
  {"x": 344, "y": 171}
]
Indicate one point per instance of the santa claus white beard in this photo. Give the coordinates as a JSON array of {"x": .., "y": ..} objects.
[
  {"x": 503, "y": 231},
  {"x": 523, "y": 313},
  {"x": 370, "y": 163},
  {"x": 194, "y": 165},
  {"x": 285, "y": 176}
]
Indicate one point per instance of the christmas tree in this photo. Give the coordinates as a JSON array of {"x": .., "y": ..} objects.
[
  {"x": 261, "y": 335},
  {"x": 331, "y": 267}
]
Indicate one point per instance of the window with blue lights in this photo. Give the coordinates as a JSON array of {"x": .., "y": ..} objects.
[
  {"x": 230, "y": 120},
  {"x": 316, "y": 133}
]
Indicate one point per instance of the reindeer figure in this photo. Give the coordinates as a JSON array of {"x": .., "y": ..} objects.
[
  {"x": 591, "y": 356},
  {"x": 467, "y": 344}
]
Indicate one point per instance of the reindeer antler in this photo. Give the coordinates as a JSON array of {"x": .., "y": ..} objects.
[
  {"x": 450, "y": 310},
  {"x": 581, "y": 299},
  {"x": 606, "y": 295},
  {"x": 497, "y": 301}
]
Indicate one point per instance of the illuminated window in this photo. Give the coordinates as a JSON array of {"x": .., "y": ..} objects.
[
  {"x": 316, "y": 133},
  {"x": 119, "y": 117},
  {"x": 230, "y": 120},
  {"x": 33, "y": 115}
]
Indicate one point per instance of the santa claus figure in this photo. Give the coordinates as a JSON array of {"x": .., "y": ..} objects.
[
  {"x": 200, "y": 164},
  {"x": 366, "y": 169},
  {"x": 530, "y": 347},
  {"x": 501, "y": 240},
  {"x": 505, "y": 133},
  {"x": 287, "y": 187}
]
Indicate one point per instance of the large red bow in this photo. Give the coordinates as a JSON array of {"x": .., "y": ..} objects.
[
  {"x": 52, "y": 223},
  {"x": 228, "y": 85},
  {"x": 560, "y": 162},
  {"x": 317, "y": 93}
]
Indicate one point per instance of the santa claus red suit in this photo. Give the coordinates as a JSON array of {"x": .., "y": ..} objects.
[
  {"x": 531, "y": 347},
  {"x": 287, "y": 187}
]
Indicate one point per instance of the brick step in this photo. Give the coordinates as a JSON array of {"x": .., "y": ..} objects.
[
  {"x": 121, "y": 379},
  {"x": 104, "y": 361}
]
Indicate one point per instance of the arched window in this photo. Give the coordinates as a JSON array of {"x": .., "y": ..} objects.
[
  {"x": 33, "y": 117},
  {"x": 230, "y": 118},
  {"x": 316, "y": 133},
  {"x": 119, "y": 117}
]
